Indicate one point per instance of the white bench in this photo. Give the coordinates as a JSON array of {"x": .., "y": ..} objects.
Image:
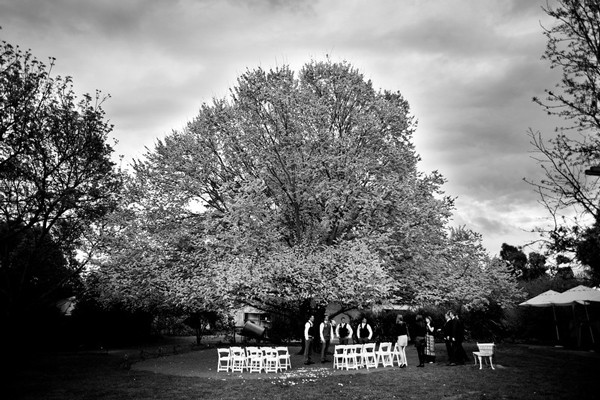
[{"x": 485, "y": 351}]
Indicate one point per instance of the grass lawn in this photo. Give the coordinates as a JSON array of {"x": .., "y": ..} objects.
[{"x": 523, "y": 372}]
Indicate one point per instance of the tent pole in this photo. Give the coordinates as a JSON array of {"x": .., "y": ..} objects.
[
  {"x": 555, "y": 323},
  {"x": 589, "y": 323},
  {"x": 578, "y": 326}
]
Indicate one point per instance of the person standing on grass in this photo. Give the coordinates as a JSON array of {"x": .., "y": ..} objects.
[
  {"x": 458, "y": 336},
  {"x": 364, "y": 333},
  {"x": 326, "y": 333},
  {"x": 309, "y": 335},
  {"x": 402, "y": 337},
  {"x": 420, "y": 331},
  {"x": 344, "y": 331},
  {"x": 447, "y": 332},
  {"x": 429, "y": 340}
]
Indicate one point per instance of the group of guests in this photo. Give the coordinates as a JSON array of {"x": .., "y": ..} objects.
[
  {"x": 328, "y": 330},
  {"x": 454, "y": 334},
  {"x": 424, "y": 338},
  {"x": 421, "y": 333}
]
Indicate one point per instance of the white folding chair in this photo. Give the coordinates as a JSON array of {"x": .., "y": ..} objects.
[
  {"x": 369, "y": 358},
  {"x": 285, "y": 361},
  {"x": 339, "y": 356},
  {"x": 254, "y": 359},
  {"x": 250, "y": 350},
  {"x": 384, "y": 354},
  {"x": 270, "y": 360},
  {"x": 237, "y": 359},
  {"x": 224, "y": 363},
  {"x": 485, "y": 351},
  {"x": 353, "y": 356},
  {"x": 396, "y": 355}
]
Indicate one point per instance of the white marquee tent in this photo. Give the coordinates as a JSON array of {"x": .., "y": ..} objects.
[
  {"x": 582, "y": 295},
  {"x": 544, "y": 300}
]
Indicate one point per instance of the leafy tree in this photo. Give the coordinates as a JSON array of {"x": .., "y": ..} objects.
[
  {"x": 588, "y": 250},
  {"x": 36, "y": 264},
  {"x": 463, "y": 276},
  {"x": 574, "y": 47},
  {"x": 56, "y": 179},
  {"x": 523, "y": 267},
  {"x": 294, "y": 188},
  {"x": 536, "y": 266},
  {"x": 515, "y": 258}
]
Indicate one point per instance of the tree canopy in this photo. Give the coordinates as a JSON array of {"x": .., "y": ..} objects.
[
  {"x": 56, "y": 179},
  {"x": 295, "y": 187}
]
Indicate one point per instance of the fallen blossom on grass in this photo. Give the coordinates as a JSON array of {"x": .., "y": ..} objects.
[{"x": 302, "y": 375}]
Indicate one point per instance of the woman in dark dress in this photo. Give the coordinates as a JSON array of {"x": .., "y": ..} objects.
[{"x": 420, "y": 331}]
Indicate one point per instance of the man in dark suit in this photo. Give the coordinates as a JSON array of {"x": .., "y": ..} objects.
[
  {"x": 458, "y": 336},
  {"x": 447, "y": 331}
]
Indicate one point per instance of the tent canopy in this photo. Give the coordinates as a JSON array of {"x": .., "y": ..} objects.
[
  {"x": 541, "y": 300},
  {"x": 579, "y": 294}
]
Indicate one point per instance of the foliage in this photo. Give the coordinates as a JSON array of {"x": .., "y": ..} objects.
[
  {"x": 463, "y": 276},
  {"x": 56, "y": 179},
  {"x": 588, "y": 250},
  {"x": 293, "y": 189},
  {"x": 297, "y": 189},
  {"x": 537, "y": 265},
  {"x": 514, "y": 257},
  {"x": 36, "y": 262},
  {"x": 523, "y": 267}
]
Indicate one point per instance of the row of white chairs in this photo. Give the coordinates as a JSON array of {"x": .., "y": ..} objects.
[
  {"x": 355, "y": 356},
  {"x": 253, "y": 359}
]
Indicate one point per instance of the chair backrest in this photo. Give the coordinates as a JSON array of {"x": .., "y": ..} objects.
[
  {"x": 223, "y": 352},
  {"x": 253, "y": 351},
  {"x": 270, "y": 352},
  {"x": 237, "y": 351},
  {"x": 369, "y": 347},
  {"x": 486, "y": 348},
  {"x": 340, "y": 349},
  {"x": 385, "y": 347},
  {"x": 352, "y": 348}
]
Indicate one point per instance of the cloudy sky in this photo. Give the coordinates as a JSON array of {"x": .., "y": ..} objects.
[{"x": 469, "y": 69}]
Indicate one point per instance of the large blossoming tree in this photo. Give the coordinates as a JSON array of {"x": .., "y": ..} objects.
[{"x": 296, "y": 188}]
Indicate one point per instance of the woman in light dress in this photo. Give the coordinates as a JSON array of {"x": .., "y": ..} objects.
[{"x": 401, "y": 333}]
